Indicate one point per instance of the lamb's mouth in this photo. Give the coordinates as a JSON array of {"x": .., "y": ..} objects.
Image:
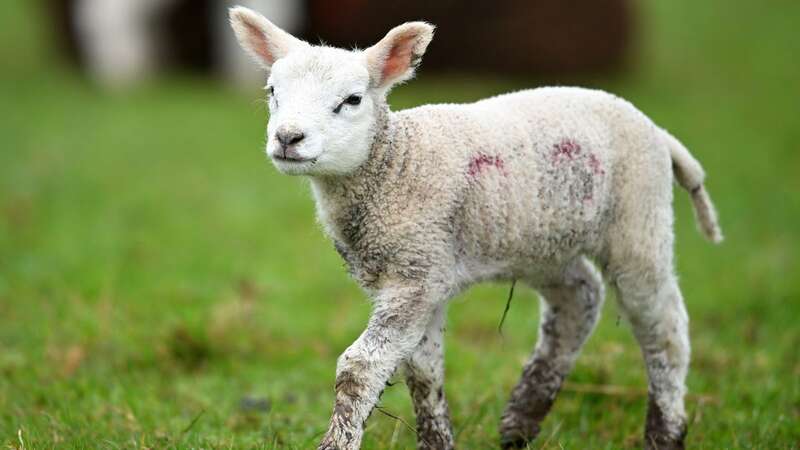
[{"x": 291, "y": 160}]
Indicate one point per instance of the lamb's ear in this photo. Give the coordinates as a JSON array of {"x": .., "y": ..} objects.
[
  {"x": 262, "y": 39},
  {"x": 394, "y": 58}
]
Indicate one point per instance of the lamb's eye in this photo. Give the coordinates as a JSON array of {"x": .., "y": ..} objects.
[
  {"x": 271, "y": 97},
  {"x": 353, "y": 100}
]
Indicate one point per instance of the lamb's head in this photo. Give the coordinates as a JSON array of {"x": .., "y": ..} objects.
[{"x": 325, "y": 102}]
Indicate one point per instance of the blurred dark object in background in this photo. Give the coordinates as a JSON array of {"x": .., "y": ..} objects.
[
  {"x": 62, "y": 14},
  {"x": 122, "y": 41},
  {"x": 562, "y": 37}
]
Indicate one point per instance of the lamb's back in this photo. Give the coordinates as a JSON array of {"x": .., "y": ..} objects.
[{"x": 530, "y": 172}]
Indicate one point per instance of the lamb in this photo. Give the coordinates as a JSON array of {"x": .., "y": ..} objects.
[{"x": 422, "y": 203}]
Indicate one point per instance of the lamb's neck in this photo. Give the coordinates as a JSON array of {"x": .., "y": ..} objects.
[{"x": 381, "y": 166}]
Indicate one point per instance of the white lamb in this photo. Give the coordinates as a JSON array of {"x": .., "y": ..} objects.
[{"x": 425, "y": 202}]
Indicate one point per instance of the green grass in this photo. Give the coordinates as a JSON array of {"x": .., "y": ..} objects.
[{"x": 155, "y": 270}]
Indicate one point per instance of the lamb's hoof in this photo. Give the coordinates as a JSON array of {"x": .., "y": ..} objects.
[
  {"x": 507, "y": 443},
  {"x": 664, "y": 442},
  {"x": 518, "y": 437},
  {"x": 660, "y": 433},
  {"x": 340, "y": 440},
  {"x": 327, "y": 445}
]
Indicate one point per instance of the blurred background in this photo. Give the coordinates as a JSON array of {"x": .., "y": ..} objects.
[{"x": 162, "y": 286}]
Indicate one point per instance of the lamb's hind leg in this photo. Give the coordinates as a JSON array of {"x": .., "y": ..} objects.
[
  {"x": 652, "y": 301},
  {"x": 425, "y": 379},
  {"x": 569, "y": 312}
]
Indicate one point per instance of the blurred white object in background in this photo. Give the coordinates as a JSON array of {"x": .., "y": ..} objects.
[
  {"x": 122, "y": 42},
  {"x": 118, "y": 39}
]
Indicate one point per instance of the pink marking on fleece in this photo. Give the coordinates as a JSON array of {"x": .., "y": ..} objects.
[
  {"x": 567, "y": 147},
  {"x": 482, "y": 160},
  {"x": 596, "y": 165}
]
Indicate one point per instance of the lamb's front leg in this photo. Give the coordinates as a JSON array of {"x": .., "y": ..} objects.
[
  {"x": 425, "y": 379},
  {"x": 398, "y": 322}
]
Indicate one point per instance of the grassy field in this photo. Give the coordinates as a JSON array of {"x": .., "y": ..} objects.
[{"x": 161, "y": 286}]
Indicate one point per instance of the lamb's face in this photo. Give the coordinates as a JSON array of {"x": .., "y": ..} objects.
[
  {"x": 322, "y": 112},
  {"x": 323, "y": 100}
]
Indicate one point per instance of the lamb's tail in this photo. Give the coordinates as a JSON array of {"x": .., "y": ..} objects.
[{"x": 690, "y": 175}]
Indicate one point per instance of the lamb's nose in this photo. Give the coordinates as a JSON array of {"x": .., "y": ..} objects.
[{"x": 288, "y": 137}]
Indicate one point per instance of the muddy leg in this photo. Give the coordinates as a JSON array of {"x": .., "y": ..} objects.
[
  {"x": 654, "y": 306},
  {"x": 569, "y": 312},
  {"x": 425, "y": 379},
  {"x": 398, "y": 323}
]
